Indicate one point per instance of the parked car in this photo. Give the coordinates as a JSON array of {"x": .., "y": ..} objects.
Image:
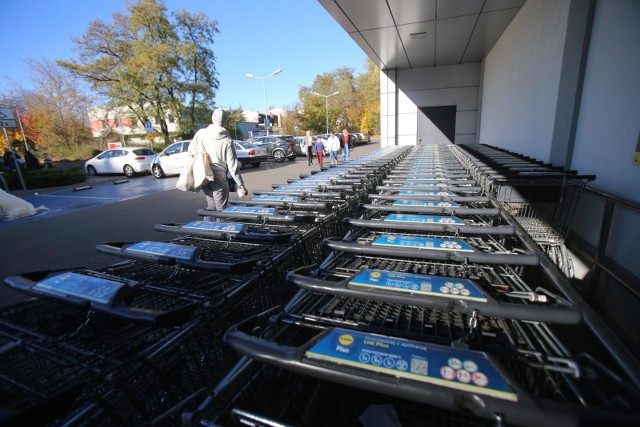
[
  {"x": 171, "y": 160},
  {"x": 298, "y": 148},
  {"x": 250, "y": 154},
  {"x": 126, "y": 160},
  {"x": 355, "y": 139},
  {"x": 279, "y": 147},
  {"x": 364, "y": 137}
]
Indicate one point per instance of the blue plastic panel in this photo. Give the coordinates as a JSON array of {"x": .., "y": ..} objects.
[
  {"x": 79, "y": 285},
  {"x": 268, "y": 198},
  {"x": 438, "y": 204},
  {"x": 250, "y": 209},
  {"x": 426, "y": 219},
  {"x": 446, "y": 287},
  {"x": 296, "y": 189},
  {"x": 162, "y": 249},
  {"x": 227, "y": 227},
  {"x": 453, "y": 368},
  {"x": 420, "y": 242}
]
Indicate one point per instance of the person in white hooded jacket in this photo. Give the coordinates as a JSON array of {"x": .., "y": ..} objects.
[{"x": 222, "y": 157}]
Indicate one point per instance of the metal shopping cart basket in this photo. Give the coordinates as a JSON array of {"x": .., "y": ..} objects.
[
  {"x": 474, "y": 289},
  {"x": 40, "y": 379},
  {"x": 197, "y": 253},
  {"x": 153, "y": 381},
  {"x": 464, "y": 249},
  {"x": 109, "y": 294},
  {"x": 263, "y": 395},
  {"x": 525, "y": 380}
]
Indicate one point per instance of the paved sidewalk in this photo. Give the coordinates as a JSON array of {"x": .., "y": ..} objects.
[{"x": 69, "y": 240}]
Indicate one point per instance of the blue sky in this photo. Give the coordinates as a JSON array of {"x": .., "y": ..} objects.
[{"x": 255, "y": 37}]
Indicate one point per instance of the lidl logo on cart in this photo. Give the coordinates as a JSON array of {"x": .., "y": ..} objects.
[{"x": 345, "y": 339}]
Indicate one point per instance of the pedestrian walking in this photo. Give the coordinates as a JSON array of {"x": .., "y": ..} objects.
[
  {"x": 345, "y": 143},
  {"x": 307, "y": 145},
  {"x": 333, "y": 145},
  {"x": 319, "y": 149},
  {"x": 222, "y": 158}
]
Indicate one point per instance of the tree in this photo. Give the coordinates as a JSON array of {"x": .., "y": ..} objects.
[
  {"x": 235, "y": 116},
  {"x": 150, "y": 65},
  {"x": 196, "y": 33},
  {"x": 368, "y": 94},
  {"x": 356, "y": 107},
  {"x": 291, "y": 119},
  {"x": 313, "y": 111},
  {"x": 53, "y": 115}
]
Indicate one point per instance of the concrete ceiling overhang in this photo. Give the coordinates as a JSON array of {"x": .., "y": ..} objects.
[{"x": 407, "y": 34}]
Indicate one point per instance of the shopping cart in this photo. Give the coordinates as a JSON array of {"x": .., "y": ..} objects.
[
  {"x": 153, "y": 381},
  {"x": 263, "y": 395},
  {"x": 195, "y": 252},
  {"x": 262, "y": 233},
  {"x": 464, "y": 249},
  {"x": 473, "y": 289},
  {"x": 542, "y": 199},
  {"x": 41, "y": 378},
  {"x": 260, "y": 213},
  {"x": 109, "y": 294},
  {"x": 525, "y": 380},
  {"x": 452, "y": 225}
]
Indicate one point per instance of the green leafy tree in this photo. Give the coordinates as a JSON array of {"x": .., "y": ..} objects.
[
  {"x": 313, "y": 111},
  {"x": 197, "y": 68},
  {"x": 149, "y": 64},
  {"x": 235, "y": 116},
  {"x": 356, "y": 107},
  {"x": 291, "y": 119}
]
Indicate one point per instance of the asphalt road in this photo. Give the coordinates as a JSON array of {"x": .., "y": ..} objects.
[{"x": 68, "y": 239}]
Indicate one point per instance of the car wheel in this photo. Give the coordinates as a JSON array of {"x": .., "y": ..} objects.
[
  {"x": 157, "y": 171},
  {"x": 278, "y": 155},
  {"x": 128, "y": 170},
  {"x": 256, "y": 165},
  {"x": 91, "y": 171},
  {"x": 240, "y": 164}
]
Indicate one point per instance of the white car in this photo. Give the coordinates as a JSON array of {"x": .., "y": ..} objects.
[
  {"x": 126, "y": 160},
  {"x": 172, "y": 159}
]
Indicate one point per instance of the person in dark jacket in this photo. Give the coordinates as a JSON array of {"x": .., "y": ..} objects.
[
  {"x": 345, "y": 144},
  {"x": 318, "y": 148},
  {"x": 31, "y": 161}
]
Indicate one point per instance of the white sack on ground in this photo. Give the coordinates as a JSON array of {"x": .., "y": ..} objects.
[{"x": 12, "y": 207}]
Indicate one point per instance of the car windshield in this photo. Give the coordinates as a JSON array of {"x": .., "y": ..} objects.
[{"x": 246, "y": 144}]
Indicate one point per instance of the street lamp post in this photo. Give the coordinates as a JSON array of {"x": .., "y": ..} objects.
[
  {"x": 326, "y": 106},
  {"x": 264, "y": 89}
]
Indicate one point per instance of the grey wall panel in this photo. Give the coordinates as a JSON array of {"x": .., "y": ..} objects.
[
  {"x": 466, "y": 98},
  {"x": 464, "y": 75},
  {"x": 466, "y": 122},
  {"x": 609, "y": 120},
  {"x": 521, "y": 79}
]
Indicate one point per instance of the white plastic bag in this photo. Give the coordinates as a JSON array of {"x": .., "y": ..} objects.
[{"x": 197, "y": 172}]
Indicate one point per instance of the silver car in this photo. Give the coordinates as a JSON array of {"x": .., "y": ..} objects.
[{"x": 250, "y": 154}]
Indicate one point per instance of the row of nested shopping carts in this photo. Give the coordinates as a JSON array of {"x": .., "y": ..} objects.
[
  {"x": 397, "y": 289},
  {"x": 122, "y": 344},
  {"x": 433, "y": 308}
]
